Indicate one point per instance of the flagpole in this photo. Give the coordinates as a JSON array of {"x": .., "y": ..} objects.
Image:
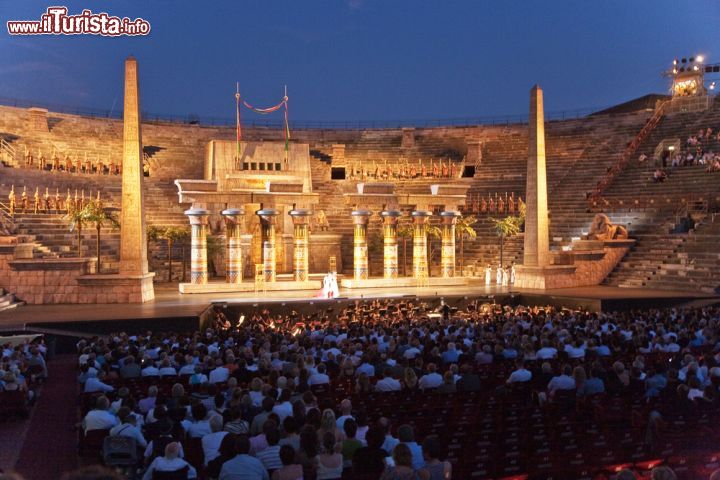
[{"x": 237, "y": 124}]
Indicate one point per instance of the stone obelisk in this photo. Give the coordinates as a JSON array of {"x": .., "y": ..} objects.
[
  {"x": 133, "y": 244},
  {"x": 537, "y": 235}
]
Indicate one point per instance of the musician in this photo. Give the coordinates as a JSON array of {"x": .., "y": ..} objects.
[
  {"x": 24, "y": 199},
  {"x": 58, "y": 200},
  {"x": 483, "y": 205},
  {"x": 11, "y": 201},
  {"x": 445, "y": 170},
  {"x": 28, "y": 157},
  {"x": 511, "y": 204},
  {"x": 491, "y": 205},
  {"x": 68, "y": 163},
  {"x": 36, "y": 200},
  {"x": 47, "y": 200},
  {"x": 500, "y": 205}
]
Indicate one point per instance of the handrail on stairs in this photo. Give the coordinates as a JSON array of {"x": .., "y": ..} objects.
[{"x": 630, "y": 150}]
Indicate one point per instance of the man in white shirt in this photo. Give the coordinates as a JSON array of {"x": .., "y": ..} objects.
[
  {"x": 388, "y": 383},
  {"x": 219, "y": 374},
  {"x": 99, "y": 418},
  {"x": 432, "y": 379},
  {"x": 94, "y": 384},
  {"x": 365, "y": 367},
  {"x": 211, "y": 442},
  {"x": 319, "y": 378},
  {"x": 520, "y": 375},
  {"x": 546, "y": 351},
  {"x": 150, "y": 370},
  {"x": 127, "y": 428},
  {"x": 283, "y": 408},
  {"x": 346, "y": 410},
  {"x": 565, "y": 381},
  {"x": 171, "y": 462}
]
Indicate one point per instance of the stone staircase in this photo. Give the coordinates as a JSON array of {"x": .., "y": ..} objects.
[{"x": 695, "y": 264}]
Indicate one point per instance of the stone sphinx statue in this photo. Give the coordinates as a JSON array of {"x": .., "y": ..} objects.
[{"x": 603, "y": 229}]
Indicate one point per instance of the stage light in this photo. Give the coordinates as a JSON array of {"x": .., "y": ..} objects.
[
  {"x": 712, "y": 86},
  {"x": 675, "y": 70},
  {"x": 700, "y": 58},
  {"x": 695, "y": 67},
  {"x": 675, "y": 62}
]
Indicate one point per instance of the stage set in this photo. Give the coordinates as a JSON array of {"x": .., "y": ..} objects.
[{"x": 272, "y": 243}]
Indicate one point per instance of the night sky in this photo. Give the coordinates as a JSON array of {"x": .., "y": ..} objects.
[{"x": 363, "y": 59}]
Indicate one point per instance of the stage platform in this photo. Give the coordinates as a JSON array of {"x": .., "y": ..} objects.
[{"x": 171, "y": 310}]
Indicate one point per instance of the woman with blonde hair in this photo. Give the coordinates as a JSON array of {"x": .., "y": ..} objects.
[
  {"x": 410, "y": 379},
  {"x": 328, "y": 424},
  {"x": 256, "y": 394}
]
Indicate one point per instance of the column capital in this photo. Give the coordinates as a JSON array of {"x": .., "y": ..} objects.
[
  {"x": 267, "y": 214},
  {"x": 360, "y": 217},
  {"x": 197, "y": 216},
  {"x": 450, "y": 217},
  {"x": 300, "y": 215}
]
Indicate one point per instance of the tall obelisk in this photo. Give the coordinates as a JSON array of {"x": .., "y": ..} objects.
[
  {"x": 133, "y": 244},
  {"x": 537, "y": 235}
]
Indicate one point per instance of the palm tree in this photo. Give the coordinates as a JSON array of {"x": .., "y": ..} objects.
[
  {"x": 77, "y": 218},
  {"x": 173, "y": 234},
  {"x": 464, "y": 229},
  {"x": 507, "y": 227},
  {"x": 99, "y": 216},
  {"x": 433, "y": 232}
]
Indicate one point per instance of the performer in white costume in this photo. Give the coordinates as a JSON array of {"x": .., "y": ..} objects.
[
  {"x": 499, "y": 275},
  {"x": 505, "y": 276},
  {"x": 512, "y": 273},
  {"x": 334, "y": 289},
  {"x": 488, "y": 274}
]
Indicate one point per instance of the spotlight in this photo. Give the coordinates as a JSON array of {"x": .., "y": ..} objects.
[
  {"x": 712, "y": 86},
  {"x": 675, "y": 70},
  {"x": 675, "y": 62},
  {"x": 699, "y": 58},
  {"x": 695, "y": 67}
]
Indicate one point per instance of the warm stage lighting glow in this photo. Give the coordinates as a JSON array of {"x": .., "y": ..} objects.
[{"x": 699, "y": 58}]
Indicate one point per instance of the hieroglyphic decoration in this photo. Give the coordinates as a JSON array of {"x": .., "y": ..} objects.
[
  {"x": 420, "y": 252},
  {"x": 390, "y": 243},
  {"x": 233, "y": 247},
  {"x": 267, "y": 222},
  {"x": 301, "y": 261},
  {"x": 198, "y": 245},
  {"x": 360, "y": 246},
  {"x": 133, "y": 244},
  {"x": 447, "y": 260}
]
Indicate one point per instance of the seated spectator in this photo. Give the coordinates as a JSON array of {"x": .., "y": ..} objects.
[
  {"x": 351, "y": 443},
  {"x": 220, "y": 373},
  {"x": 130, "y": 368},
  {"x": 270, "y": 456},
  {"x": 431, "y": 379},
  {"x": 448, "y": 385},
  {"x": 370, "y": 460},
  {"x": 403, "y": 468},
  {"x": 659, "y": 176},
  {"x": 468, "y": 381},
  {"x": 148, "y": 403},
  {"x": 149, "y": 370},
  {"x": 167, "y": 370},
  {"x": 127, "y": 428},
  {"x": 434, "y": 468},
  {"x": 320, "y": 378},
  {"x": 94, "y": 384},
  {"x": 211, "y": 442},
  {"x": 589, "y": 384},
  {"x": 198, "y": 378},
  {"x": 99, "y": 418},
  {"x": 485, "y": 356},
  {"x": 226, "y": 452},
  {"x": 388, "y": 383},
  {"x": 564, "y": 381},
  {"x": 243, "y": 465},
  {"x": 170, "y": 462},
  {"x": 236, "y": 423},
  {"x": 406, "y": 436},
  {"x": 520, "y": 374},
  {"x": 290, "y": 470},
  {"x": 199, "y": 426},
  {"x": 330, "y": 463}
]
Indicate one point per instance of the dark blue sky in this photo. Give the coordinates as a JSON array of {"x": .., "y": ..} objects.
[{"x": 364, "y": 59}]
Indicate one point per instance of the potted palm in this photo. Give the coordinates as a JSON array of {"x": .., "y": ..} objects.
[
  {"x": 77, "y": 218},
  {"x": 464, "y": 229},
  {"x": 97, "y": 215}
]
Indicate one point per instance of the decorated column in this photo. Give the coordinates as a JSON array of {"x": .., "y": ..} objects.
[
  {"x": 233, "y": 249},
  {"x": 420, "y": 263},
  {"x": 301, "y": 261},
  {"x": 198, "y": 245},
  {"x": 447, "y": 260},
  {"x": 360, "y": 245},
  {"x": 390, "y": 243},
  {"x": 267, "y": 223}
]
